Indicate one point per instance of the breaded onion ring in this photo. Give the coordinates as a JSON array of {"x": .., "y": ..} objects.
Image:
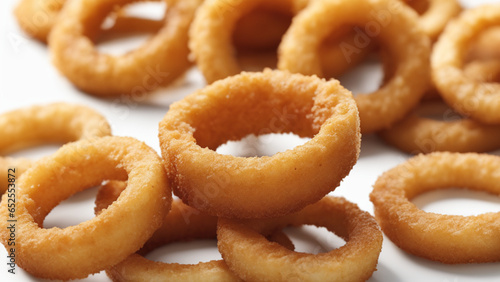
[
  {"x": 158, "y": 62},
  {"x": 436, "y": 15},
  {"x": 383, "y": 19},
  {"x": 36, "y": 17},
  {"x": 419, "y": 134},
  {"x": 98, "y": 243},
  {"x": 484, "y": 47},
  {"x": 260, "y": 103},
  {"x": 253, "y": 258},
  {"x": 444, "y": 238},
  {"x": 477, "y": 100},
  {"x": 36, "y": 125},
  {"x": 182, "y": 223}
]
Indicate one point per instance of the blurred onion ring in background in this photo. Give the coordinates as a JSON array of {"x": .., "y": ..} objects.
[
  {"x": 260, "y": 103},
  {"x": 382, "y": 20},
  {"x": 36, "y": 17},
  {"x": 182, "y": 223},
  {"x": 158, "y": 62},
  {"x": 246, "y": 251},
  {"x": 477, "y": 100},
  {"x": 103, "y": 241},
  {"x": 436, "y": 15},
  {"x": 438, "y": 237},
  {"x": 44, "y": 124}
]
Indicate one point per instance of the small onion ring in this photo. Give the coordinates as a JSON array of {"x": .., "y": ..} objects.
[
  {"x": 158, "y": 62},
  {"x": 35, "y": 125},
  {"x": 260, "y": 103},
  {"x": 389, "y": 20},
  {"x": 477, "y": 100},
  {"x": 253, "y": 258},
  {"x": 418, "y": 134},
  {"x": 445, "y": 238},
  {"x": 99, "y": 243},
  {"x": 437, "y": 15},
  {"x": 182, "y": 223}
]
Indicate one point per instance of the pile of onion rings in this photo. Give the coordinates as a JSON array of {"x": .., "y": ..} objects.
[
  {"x": 96, "y": 244},
  {"x": 36, "y": 125},
  {"x": 261, "y": 103},
  {"x": 444, "y": 238},
  {"x": 182, "y": 223}
]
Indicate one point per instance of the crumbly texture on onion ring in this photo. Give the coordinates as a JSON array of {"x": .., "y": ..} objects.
[
  {"x": 36, "y": 17},
  {"x": 477, "y": 100},
  {"x": 451, "y": 132},
  {"x": 381, "y": 19},
  {"x": 444, "y": 238},
  {"x": 436, "y": 16},
  {"x": 99, "y": 243},
  {"x": 158, "y": 62},
  {"x": 182, "y": 223},
  {"x": 253, "y": 258},
  {"x": 260, "y": 103},
  {"x": 44, "y": 124}
]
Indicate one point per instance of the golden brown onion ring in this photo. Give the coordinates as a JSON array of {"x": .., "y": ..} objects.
[
  {"x": 444, "y": 238},
  {"x": 478, "y": 100},
  {"x": 156, "y": 63},
  {"x": 453, "y": 133},
  {"x": 260, "y": 103},
  {"x": 36, "y": 17},
  {"x": 384, "y": 20},
  {"x": 99, "y": 243},
  {"x": 246, "y": 251},
  {"x": 44, "y": 124}
]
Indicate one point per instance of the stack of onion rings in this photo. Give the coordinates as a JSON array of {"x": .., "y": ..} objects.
[
  {"x": 253, "y": 258},
  {"x": 444, "y": 238},
  {"x": 91, "y": 246},
  {"x": 54, "y": 123},
  {"x": 477, "y": 100},
  {"x": 158, "y": 62},
  {"x": 382, "y": 19},
  {"x": 261, "y": 103},
  {"x": 182, "y": 223}
]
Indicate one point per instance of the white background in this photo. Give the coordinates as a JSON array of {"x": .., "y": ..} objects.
[{"x": 27, "y": 77}]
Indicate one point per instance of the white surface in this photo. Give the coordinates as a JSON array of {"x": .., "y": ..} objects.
[{"x": 27, "y": 77}]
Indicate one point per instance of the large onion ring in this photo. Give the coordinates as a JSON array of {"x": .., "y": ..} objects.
[
  {"x": 253, "y": 258},
  {"x": 477, "y": 100},
  {"x": 182, "y": 223},
  {"x": 158, "y": 62},
  {"x": 101, "y": 242},
  {"x": 444, "y": 238},
  {"x": 454, "y": 133},
  {"x": 35, "y": 125},
  {"x": 383, "y": 19},
  {"x": 260, "y": 103},
  {"x": 437, "y": 15}
]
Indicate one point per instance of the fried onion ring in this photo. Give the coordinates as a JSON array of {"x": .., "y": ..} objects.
[
  {"x": 436, "y": 15},
  {"x": 37, "y": 17},
  {"x": 36, "y": 125},
  {"x": 98, "y": 243},
  {"x": 382, "y": 19},
  {"x": 253, "y": 258},
  {"x": 445, "y": 238},
  {"x": 260, "y": 103},
  {"x": 477, "y": 100},
  {"x": 419, "y": 134},
  {"x": 156, "y": 63},
  {"x": 182, "y": 223}
]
